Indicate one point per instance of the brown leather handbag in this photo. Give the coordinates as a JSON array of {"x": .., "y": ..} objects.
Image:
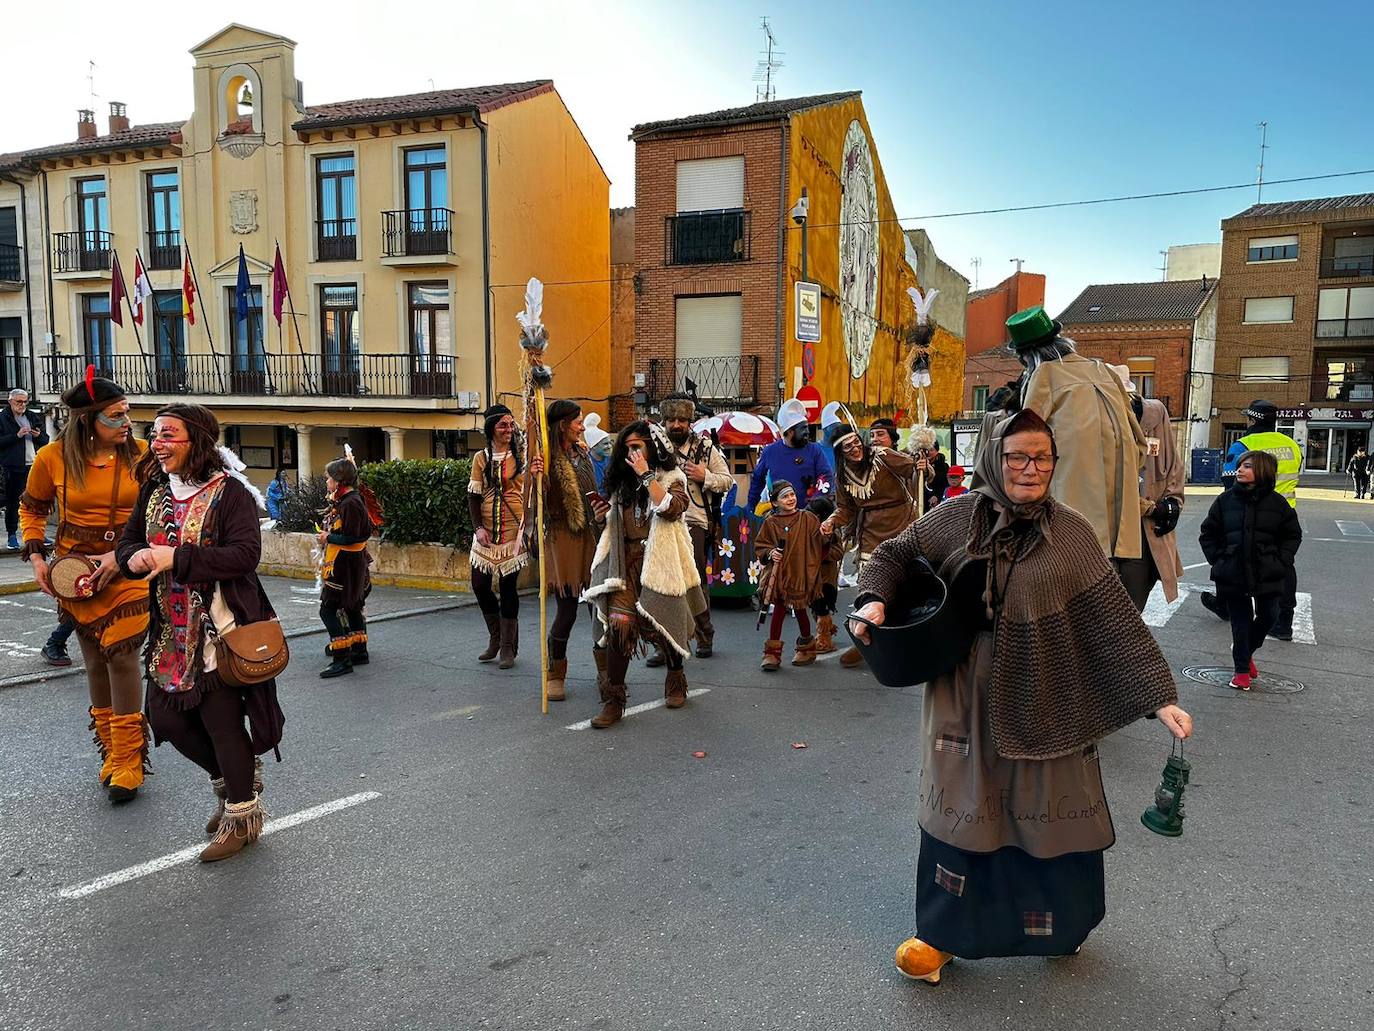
[{"x": 251, "y": 653}]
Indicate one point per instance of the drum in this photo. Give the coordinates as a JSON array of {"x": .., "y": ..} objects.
[{"x": 72, "y": 577}]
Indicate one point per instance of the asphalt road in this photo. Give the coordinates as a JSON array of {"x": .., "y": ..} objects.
[{"x": 496, "y": 870}]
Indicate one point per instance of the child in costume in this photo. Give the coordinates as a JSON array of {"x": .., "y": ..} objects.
[
  {"x": 824, "y": 606},
  {"x": 346, "y": 582},
  {"x": 791, "y": 545},
  {"x": 956, "y": 483}
]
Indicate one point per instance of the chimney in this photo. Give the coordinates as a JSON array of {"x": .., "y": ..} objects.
[
  {"x": 85, "y": 124},
  {"x": 119, "y": 117}
]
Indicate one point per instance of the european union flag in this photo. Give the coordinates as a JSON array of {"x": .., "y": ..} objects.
[{"x": 242, "y": 288}]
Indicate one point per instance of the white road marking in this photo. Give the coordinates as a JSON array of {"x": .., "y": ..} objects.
[
  {"x": 1157, "y": 610},
  {"x": 132, "y": 873},
  {"x": 636, "y": 709},
  {"x": 1304, "y": 632},
  {"x": 1354, "y": 528},
  {"x": 1196, "y": 565}
]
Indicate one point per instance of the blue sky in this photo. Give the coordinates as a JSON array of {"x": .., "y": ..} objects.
[{"x": 972, "y": 105}]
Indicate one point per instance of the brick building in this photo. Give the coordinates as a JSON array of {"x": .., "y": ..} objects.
[
  {"x": 1150, "y": 327},
  {"x": 718, "y": 254},
  {"x": 1295, "y": 324},
  {"x": 621, "y": 407}
]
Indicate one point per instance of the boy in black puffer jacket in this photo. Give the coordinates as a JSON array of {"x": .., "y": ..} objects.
[{"x": 1251, "y": 537}]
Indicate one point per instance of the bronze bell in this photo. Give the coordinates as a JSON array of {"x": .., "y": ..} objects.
[{"x": 1166, "y": 815}]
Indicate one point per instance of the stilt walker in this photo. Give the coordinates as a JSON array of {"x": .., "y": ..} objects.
[{"x": 535, "y": 378}]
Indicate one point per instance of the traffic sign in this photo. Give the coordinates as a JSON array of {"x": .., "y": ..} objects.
[
  {"x": 808, "y": 362},
  {"x": 808, "y": 308},
  {"x": 811, "y": 400}
]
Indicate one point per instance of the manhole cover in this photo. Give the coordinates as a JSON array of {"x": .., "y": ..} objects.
[{"x": 1220, "y": 676}]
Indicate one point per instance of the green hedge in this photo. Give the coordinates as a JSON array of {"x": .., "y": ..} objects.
[{"x": 424, "y": 501}]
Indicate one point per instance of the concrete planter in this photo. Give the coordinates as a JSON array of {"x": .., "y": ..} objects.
[{"x": 430, "y": 566}]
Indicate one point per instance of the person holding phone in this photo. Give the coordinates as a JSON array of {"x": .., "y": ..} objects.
[
  {"x": 573, "y": 514},
  {"x": 644, "y": 581}
]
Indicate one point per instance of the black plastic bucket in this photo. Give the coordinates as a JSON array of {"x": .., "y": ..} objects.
[{"x": 923, "y": 635}]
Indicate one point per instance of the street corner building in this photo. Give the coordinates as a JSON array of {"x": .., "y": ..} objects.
[
  {"x": 718, "y": 256},
  {"x": 408, "y": 227}
]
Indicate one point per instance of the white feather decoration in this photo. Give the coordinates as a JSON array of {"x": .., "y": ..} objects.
[
  {"x": 531, "y": 319},
  {"x": 348, "y": 452},
  {"x": 923, "y": 303},
  {"x": 234, "y": 467}
]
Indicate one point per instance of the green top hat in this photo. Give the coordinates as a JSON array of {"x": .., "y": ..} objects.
[{"x": 1031, "y": 327}]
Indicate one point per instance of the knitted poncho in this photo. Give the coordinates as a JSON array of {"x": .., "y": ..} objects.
[{"x": 1072, "y": 661}]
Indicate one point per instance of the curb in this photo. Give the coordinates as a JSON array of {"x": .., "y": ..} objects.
[{"x": 386, "y": 617}]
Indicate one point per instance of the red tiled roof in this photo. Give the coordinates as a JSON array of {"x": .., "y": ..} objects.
[
  {"x": 420, "y": 105},
  {"x": 153, "y": 134}
]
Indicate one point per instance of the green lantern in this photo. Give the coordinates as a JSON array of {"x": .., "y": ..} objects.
[{"x": 1166, "y": 815}]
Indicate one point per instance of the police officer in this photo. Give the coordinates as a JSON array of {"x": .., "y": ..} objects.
[{"x": 1262, "y": 436}]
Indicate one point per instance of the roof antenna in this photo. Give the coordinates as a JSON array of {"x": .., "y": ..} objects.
[
  {"x": 1264, "y": 145},
  {"x": 766, "y": 70},
  {"x": 90, "y": 81}
]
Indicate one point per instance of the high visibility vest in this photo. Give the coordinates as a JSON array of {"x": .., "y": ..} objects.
[{"x": 1285, "y": 449}]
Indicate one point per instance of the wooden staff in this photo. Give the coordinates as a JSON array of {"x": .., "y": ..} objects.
[{"x": 543, "y": 419}]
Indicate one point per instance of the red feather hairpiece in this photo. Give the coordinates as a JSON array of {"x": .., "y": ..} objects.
[{"x": 90, "y": 382}]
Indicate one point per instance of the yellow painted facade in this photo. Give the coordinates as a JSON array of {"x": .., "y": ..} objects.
[
  {"x": 816, "y": 155},
  {"x": 248, "y": 175}
]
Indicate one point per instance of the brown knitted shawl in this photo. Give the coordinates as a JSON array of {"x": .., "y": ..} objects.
[{"x": 1072, "y": 660}]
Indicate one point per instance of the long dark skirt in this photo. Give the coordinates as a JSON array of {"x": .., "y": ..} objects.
[{"x": 1006, "y": 903}]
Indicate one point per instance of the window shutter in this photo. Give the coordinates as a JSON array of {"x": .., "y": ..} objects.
[
  {"x": 1331, "y": 304},
  {"x": 1274, "y": 369},
  {"x": 708, "y": 343},
  {"x": 1362, "y": 302},
  {"x": 1269, "y": 309},
  {"x": 710, "y": 184},
  {"x": 1273, "y": 241}
]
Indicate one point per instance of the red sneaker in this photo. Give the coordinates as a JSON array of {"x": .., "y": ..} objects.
[
  {"x": 1254, "y": 672},
  {"x": 1241, "y": 681}
]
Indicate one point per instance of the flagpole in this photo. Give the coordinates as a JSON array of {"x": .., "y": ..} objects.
[
  {"x": 205, "y": 320},
  {"x": 138, "y": 264},
  {"x": 291, "y": 309},
  {"x": 138, "y": 337}
]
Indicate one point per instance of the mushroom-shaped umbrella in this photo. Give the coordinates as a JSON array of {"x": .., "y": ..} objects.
[{"x": 740, "y": 429}]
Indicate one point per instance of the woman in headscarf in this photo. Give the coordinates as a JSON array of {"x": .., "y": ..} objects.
[
  {"x": 573, "y": 514},
  {"x": 644, "y": 580},
  {"x": 194, "y": 536},
  {"x": 496, "y": 503},
  {"x": 88, "y": 473},
  {"x": 1012, "y": 812}
]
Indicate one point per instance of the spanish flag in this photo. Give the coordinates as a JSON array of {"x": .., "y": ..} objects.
[{"x": 188, "y": 290}]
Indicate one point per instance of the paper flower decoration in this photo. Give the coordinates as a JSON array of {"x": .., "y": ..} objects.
[
  {"x": 727, "y": 547},
  {"x": 727, "y": 577},
  {"x": 822, "y": 485},
  {"x": 744, "y": 531},
  {"x": 755, "y": 571},
  {"x": 710, "y": 575}
]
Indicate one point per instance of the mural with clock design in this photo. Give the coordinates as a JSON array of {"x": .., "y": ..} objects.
[{"x": 859, "y": 255}]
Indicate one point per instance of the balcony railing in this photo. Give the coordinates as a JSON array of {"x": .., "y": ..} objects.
[
  {"x": 418, "y": 231},
  {"x": 1352, "y": 265},
  {"x": 85, "y": 251},
  {"x": 164, "y": 248},
  {"x": 725, "y": 380},
  {"x": 265, "y": 375},
  {"x": 1329, "y": 329},
  {"x": 336, "y": 239},
  {"x": 11, "y": 263},
  {"x": 706, "y": 237}
]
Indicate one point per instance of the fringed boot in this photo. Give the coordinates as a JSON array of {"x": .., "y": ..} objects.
[
  {"x": 558, "y": 674},
  {"x": 510, "y": 642},
  {"x": 706, "y": 635},
  {"x": 239, "y": 826},
  {"x": 602, "y": 680},
  {"x": 805, "y": 654},
  {"x": 825, "y": 635},
  {"x": 493, "y": 636},
  {"x": 675, "y": 689},
  {"x": 128, "y": 755},
  {"x": 772, "y": 656},
  {"x": 217, "y": 786},
  {"x": 851, "y": 658},
  {"x": 613, "y": 708},
  {"x": 100, "y": 724}
]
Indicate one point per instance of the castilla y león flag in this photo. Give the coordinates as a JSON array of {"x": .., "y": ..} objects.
[
  {"x": 188, "y": 290},
  {"x": 279, "y": 288}
]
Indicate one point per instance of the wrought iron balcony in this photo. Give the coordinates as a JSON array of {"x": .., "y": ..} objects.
[
  {"x": 1331, "y": 329},
  {"x": 164, "y": 249},
  {"x": 11, "y": 263},
  {"x": 720, "y": 381},
  {"x": 265, "y": 375},
  {"x": 1352, "y": 265},
  {"x": 336, "y": 239},
  {"x": 417, "y": 231},
  {"x": 87, "y": 250},
  {"x": 706, "y": 237}
]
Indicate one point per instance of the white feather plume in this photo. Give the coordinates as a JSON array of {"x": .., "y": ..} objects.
[
  {"x": 234, "y": 467},
  {"x": 348, "y": 452},
  {"x": 923, "y": 303},
  {"x": 531, "y": 319}
]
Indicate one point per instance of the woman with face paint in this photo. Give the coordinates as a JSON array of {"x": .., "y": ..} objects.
[{"x": 87, "y": 473}]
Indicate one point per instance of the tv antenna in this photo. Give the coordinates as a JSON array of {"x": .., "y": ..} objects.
[
  {"x": 1164, "y": 269},
  {"x": 1264, "y": 145},
  {"x": 765, "y": 73},
  {"x": 976, "y": 262},
  {"x": 90, "y": 81},
  {"x": 1017, "y": 262}
]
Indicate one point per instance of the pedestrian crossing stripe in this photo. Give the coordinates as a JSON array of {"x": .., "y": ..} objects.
[{"x": 1158, "y": 612}]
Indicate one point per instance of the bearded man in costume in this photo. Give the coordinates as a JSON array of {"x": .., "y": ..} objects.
[{"x": 795, "y": 458}]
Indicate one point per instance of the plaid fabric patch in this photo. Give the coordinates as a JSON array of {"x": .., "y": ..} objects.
[
  {"x": 951, "y": 743},
  {"x": 951, "y": 882},
  {"x": 1038, "y": 924}
]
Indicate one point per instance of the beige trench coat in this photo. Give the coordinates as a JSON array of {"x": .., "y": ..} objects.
[
  {"x": 1101, "y": 447},
  {"x": 1162, "y": 478}
]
